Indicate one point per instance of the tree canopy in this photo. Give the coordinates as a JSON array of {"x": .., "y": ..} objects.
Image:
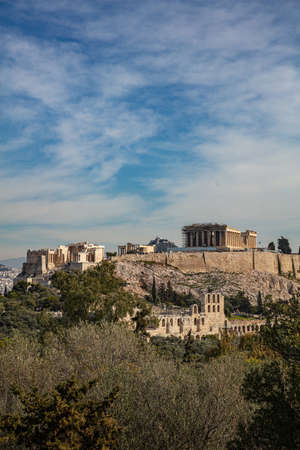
[
  {"x": 274, "y": 387},
  {"x": 96, "y": 294},
  {"x": 284, "y": 245},
  {"x": 61, "y": 419}
]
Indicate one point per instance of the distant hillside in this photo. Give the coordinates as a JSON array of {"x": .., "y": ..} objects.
[{"x": 13, "y": 262}]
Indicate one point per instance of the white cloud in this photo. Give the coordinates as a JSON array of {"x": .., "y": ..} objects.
[{"x": 213, "y": 87}]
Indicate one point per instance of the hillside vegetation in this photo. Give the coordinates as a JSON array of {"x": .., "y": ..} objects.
[{"x": 159, "y": 394}]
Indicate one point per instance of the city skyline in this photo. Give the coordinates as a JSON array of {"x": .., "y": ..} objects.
[{"x": 125, "y": 120}]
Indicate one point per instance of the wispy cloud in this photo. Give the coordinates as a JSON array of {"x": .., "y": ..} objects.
[{"x": 135, "y": 118}]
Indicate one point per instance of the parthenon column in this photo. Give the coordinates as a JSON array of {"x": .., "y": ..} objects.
[
  {"x": 208, "y": 238},
  {"x": 214, "y": 243}
]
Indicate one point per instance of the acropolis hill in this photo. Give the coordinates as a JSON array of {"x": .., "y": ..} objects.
[{"x": 232, "y": 262}]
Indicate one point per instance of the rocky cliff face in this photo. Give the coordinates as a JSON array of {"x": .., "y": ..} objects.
[{"x": 139, "y": 276}]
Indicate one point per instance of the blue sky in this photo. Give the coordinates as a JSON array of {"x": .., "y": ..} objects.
[{"x": 123, "y": 120}]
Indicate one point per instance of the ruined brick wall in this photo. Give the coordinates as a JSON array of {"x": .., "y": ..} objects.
[{"x": 270, "y": 262}]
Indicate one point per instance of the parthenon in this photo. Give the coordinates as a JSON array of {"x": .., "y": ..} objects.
[{"x": 219, "y": 236}]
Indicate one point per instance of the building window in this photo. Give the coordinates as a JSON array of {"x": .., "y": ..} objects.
[
  {"x": 178, "y": 322},
  {"x": 163, "y": 322},
  {"x": 171, "y": 322},
  {"x": 208, "y": 308},
  {"x": 214, "y": 308},
  {"x": 218, "y": 308},
  {"x": 195, "y": 321},
  {"x": 214, "y": 298},
  {"x": 218, "y": 298},
  {"x": 195, "y": 309},
  {"x": 202, "y": 321}
]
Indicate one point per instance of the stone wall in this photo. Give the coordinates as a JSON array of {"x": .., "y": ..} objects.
[{"x": 275, "y": 263}]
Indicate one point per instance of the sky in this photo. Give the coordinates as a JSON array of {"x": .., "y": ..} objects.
[{"x": 124, "y": 120}]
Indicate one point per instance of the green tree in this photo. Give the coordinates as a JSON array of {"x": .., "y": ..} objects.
[
  {"x": 284, "y": 245},
  {"x": 96, "y": 295},
  {"x": 274, "y": 387},
  {"x": 142, "y": 320},
  {"x": 20, "y": 288},
  {"x": 259, "y": 303},
  {"x": 169, "y": 292},
  {"x": 111, "y": 254},
  {"x": 189, "y": 355},
  {"x": 161, "y": 294},
  {"x": 271, "y": 246},
  {"x": 61, "y": 419},
  {"x": 153, "y": 291}
]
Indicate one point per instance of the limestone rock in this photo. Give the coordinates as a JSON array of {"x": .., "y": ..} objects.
[{"x": 139, "y": 277}]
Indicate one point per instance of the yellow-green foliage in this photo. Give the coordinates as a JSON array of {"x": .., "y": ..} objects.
[
  {"x": 61, "y": 419},
  {"x": 161, "y": 404}
]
